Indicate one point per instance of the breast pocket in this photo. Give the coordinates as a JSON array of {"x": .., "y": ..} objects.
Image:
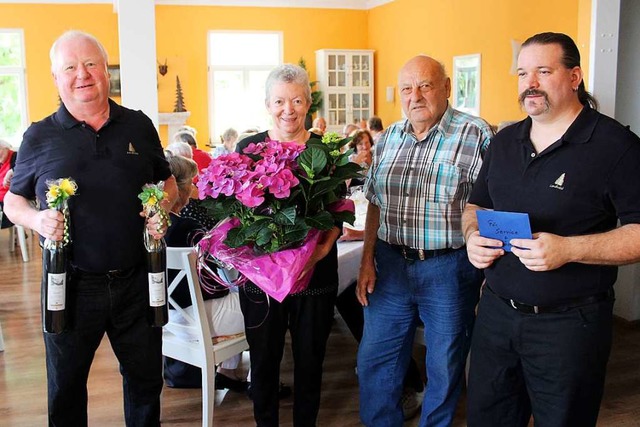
[{"x": 439, "y": 183}]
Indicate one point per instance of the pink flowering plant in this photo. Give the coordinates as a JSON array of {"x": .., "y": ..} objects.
[{"x": 279, "y": 191}]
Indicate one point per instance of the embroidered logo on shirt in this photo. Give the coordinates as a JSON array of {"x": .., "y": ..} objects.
[
  {"x": 559, "y": 183},
  {"x": 132, "y": 150}
]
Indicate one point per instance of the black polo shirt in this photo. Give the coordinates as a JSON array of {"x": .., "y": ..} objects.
[
  {"x": 110, "y": 167},
  {"x": 582, "y": 184}
]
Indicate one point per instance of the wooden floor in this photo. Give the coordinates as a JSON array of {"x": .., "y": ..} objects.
[{"x": 23, "y": 386}]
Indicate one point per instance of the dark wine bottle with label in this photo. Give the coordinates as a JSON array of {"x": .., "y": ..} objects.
[
  {"x": 54, "y": 282},
  {"x": 158, "y": 310}
]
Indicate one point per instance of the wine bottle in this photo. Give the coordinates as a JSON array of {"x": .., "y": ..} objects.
[
  {"x": 156, "y": 260},
  {"x": 54, "y": 282},
  {"x": 54, "y": 259}
]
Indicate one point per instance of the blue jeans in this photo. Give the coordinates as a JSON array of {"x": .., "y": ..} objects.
[
  {"x": 117, "y": 306},
  {"x": 442, "y": 292}
]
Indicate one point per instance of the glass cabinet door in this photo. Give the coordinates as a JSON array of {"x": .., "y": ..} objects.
[
  {"x": 360, "y": 71},
  {"x": 337, "y": 70},
  {"x": 337, "y": 109},
  {"x": 360, "y": 106}
]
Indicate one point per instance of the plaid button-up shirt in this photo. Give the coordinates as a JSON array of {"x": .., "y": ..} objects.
[{"x": 421, "y": 187}]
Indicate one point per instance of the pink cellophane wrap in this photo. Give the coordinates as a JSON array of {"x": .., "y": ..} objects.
[{"x": 274, "y": 273}]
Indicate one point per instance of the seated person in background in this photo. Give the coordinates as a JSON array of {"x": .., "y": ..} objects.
[
  {"x": 187, "y": 129},
  {"x": 181, "y": 149},
  {"x": 221, "y": 304},
  {"x": 361, "y": 143},
  {"x": 319, "y": 123},
  {"x": 375, "y": 127},
  {"x": 316, "y": 130},
  {"x": 348, "y": 129},
  {"x": 362, "y": 124},
  {"x": 229, "y": 139},
  {"x": 7, "y": 162},
  {"x": 201, "y": 158}
]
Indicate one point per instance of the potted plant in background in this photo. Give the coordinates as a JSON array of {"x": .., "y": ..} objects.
[{"x": 316, "y": 97}]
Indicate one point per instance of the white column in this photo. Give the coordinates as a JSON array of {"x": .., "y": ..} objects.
[
  {"x": 603, "y": 79},
  {"x": 603, "y": 67},
  {"x": 137, "y": 35}
]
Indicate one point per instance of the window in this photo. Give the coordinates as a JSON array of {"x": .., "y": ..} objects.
[
  {"x": 239, "y": 64},
  {"x": 13, "y": 100}
]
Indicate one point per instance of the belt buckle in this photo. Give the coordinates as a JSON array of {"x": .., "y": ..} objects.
[
  {"x": 421, "y": 254},
  {"x": 536, "y": 309}
]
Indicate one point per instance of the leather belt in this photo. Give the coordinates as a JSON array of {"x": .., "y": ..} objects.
[
  {"x": 420, "y": 254},
  {"x": 566, "y": 306}
]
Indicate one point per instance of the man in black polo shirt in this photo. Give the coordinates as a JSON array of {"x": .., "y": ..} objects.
[
  {"x": 543, "y": 333},
  {"x": 111, "y": 152}
]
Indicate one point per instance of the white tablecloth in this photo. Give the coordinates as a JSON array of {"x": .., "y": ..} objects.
[{"x": 349, "y": 254}]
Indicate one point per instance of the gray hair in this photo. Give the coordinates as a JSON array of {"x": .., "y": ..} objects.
[
  {"x": 5, "y": 144},
  {"x": 75, "y": 34},
  {"x": 229, "y": 134},
  {"x": 185, "y": 136},
  {"x": 178, "y": 148},
  {"x": 184, "y": 170},
  {"x": 289, "y": 73}
]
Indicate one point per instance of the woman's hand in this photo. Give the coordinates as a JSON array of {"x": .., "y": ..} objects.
[
  {"x": 363, "y": 157},
  {"x": 349, "y": 235}
]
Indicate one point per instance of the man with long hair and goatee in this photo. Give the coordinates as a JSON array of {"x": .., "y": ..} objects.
[{"x": 543, "y": 333}]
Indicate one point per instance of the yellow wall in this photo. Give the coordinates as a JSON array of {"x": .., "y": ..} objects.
[
  {"x": 396, "y": 31},
  {"x": 182, "y": 39},
  {"x": 42, "y": 24},
  {"x": 444, "y": 29}
]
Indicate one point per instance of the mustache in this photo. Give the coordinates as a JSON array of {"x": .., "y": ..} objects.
[{"x": 533, "y": 92}]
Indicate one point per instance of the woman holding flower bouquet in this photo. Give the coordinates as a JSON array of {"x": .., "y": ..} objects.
[{"x": 307, "y": 314}]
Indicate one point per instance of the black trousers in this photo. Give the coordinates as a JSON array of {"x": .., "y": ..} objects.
[
  {"x": 115, "y": 306},
  {"x": 551, "y": 365},
  {"x": 309, "y": 320},
  {"x": 351, "y": 311}
]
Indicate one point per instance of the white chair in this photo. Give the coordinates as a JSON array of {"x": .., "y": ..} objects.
[
  {"x": 190, "y": 340},
  {"x": 18, "y": 231}
]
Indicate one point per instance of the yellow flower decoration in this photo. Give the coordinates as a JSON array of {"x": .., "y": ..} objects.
[
  {"x": 59, "y": 191},
  {"x": 151, "y": 196}
]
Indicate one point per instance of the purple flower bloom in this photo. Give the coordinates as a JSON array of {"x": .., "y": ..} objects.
[{"x": 224, "y": 175}]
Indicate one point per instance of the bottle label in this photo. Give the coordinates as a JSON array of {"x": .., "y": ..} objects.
[
  {"x": 157, "y": 290},
  {"x": 56, "y": 285}
]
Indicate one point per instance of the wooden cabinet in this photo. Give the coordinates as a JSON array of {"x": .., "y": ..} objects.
[{"x": 345, "y": 78}]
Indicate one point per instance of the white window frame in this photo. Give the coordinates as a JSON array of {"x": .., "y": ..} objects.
[
  {"x": 20, "y": 72},
  {"x": 214, "y": 134}
]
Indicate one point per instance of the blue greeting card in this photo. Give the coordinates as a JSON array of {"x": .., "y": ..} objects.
[{"x": 504, "y": 226}]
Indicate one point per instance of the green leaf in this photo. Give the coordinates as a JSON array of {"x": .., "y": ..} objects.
[
  {"x": 264, "y": 236},
  {"x": 235, "y": 238},
  {"x": 312, "y": 158},
  {"x": 297, "y": 232},
  {"x": 286, "y": 216},
  {"x": 344, "y": 216},
  {"x": 219, "y": 208},
  {"x": 322, "y": 221},
  {"x": 342, "y": 160},
  {"x": 256, "y": 227},
  {"x": 347, "y": 171}
]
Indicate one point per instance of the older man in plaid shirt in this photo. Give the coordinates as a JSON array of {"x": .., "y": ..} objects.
[{"x": 414, "y": 266}]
